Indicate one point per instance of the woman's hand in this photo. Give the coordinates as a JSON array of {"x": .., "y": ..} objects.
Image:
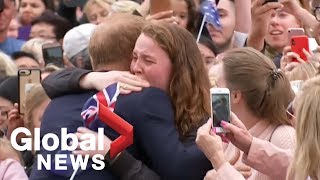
[
  {"x": 106, "y": 143},
  {"x": 287, "y": 63},
  {"x": 293, "y": 7},
  {"x": 261, "y": 15},
  {"x": 15, "y": 120},
  {"x": 211, "y": 145},
  {"x": 238, "y": 134},
  {"x": 100, "y": 80}
]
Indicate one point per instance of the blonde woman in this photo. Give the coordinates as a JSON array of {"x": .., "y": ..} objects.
[
  {"x": 10, "y": 162},
  {"x": 97, "y": 10},
  {"x": 303, "y": 71},
  {"x": 306, "y": 159},
  {"x": 7, "y": 66},
  {"x": 124, "y": 6},
  {"x": 34, "y": 47}
]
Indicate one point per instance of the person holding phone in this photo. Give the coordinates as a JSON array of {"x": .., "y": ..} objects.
[
  {"x": 170, "y": 135},
  {"x": 260, "y": 103},
  {"x": 263, "y": 155}
]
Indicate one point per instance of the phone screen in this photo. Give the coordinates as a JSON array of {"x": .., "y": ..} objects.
[
  {"x": 53, "y": 55},
  {"x": 220, "y": 108}
]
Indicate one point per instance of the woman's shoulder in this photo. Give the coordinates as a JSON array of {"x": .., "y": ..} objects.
[
  {"x": 11, "y": 169},
  {"x": 284, "y": 136}
]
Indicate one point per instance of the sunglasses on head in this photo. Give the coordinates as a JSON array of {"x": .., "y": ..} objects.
[{"x": 290, "y": 111}]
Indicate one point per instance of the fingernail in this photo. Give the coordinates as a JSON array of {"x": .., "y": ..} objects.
[{"x": 223, "y": 123}]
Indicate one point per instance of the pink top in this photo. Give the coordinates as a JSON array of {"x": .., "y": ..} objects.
[
  {"x": 12, "y": 170},
  {"x": 270, "y": 161}
]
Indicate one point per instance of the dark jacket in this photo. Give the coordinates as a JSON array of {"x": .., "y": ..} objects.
[
  {"x": 66, "y": 81},
  {"x": 64, "y": 112},
  {"x": 156, "y": 139}
]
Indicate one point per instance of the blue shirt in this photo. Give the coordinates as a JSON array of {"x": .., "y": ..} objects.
[{"x": 11, "y": 45}]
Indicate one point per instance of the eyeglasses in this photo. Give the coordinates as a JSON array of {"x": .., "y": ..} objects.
[
  {"x": 316, "y": 11},
  {"x": 290, "y": 110}
]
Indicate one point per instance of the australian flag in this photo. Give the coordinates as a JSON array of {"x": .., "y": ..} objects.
[
  {"x": 108, "y": 97},
  {"x": 209, "y": 9}
]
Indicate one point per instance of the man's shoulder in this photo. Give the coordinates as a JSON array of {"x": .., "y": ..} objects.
[
  {"x": 77, "y": 99},
  {"x": 147, "y": 98},
  {"x": 150, "y": 100},
  {"x": 64, "y": 111},
  {"x": 150, "y": 93}
]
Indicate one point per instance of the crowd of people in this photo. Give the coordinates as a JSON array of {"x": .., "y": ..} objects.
[{"x": 164, "y": 65}]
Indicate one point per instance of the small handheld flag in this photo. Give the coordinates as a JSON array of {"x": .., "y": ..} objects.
[
  {"x": 98, "y": 112},
  {"x": 210, "y": 15}
]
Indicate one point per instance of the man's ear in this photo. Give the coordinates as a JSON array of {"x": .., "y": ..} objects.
[{"x": 236, "y": 97}]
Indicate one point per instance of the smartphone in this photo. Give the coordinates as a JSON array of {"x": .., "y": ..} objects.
[
  {"x": 295, "y": 32},
  {"x": 269, "y": 1},
  {"x": 157, "y": 6},
  {"x": 220, "y": 107},
  {"x": 27, "y": 78},
  {"x": 53, "y": 54},
  {"x": 298, "y": 43}
]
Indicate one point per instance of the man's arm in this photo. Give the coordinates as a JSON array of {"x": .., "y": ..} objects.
[
  {"x": 64, "y": 82},
  {"x": 128, "y": 168}
]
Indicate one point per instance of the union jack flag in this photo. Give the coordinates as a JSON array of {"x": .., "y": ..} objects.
[
  {"x": 107, "y": 97},
  {"x": 98, "y": 112},
  {"x": 209, "y": 10}
]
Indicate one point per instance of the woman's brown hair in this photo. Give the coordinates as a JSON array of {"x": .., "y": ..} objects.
[
  {"x": 189, "y": 85},
  {"x": 266, "y": 90}
]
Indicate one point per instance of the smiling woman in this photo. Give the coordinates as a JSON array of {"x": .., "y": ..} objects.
[{"x": 280, "y": 21}]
